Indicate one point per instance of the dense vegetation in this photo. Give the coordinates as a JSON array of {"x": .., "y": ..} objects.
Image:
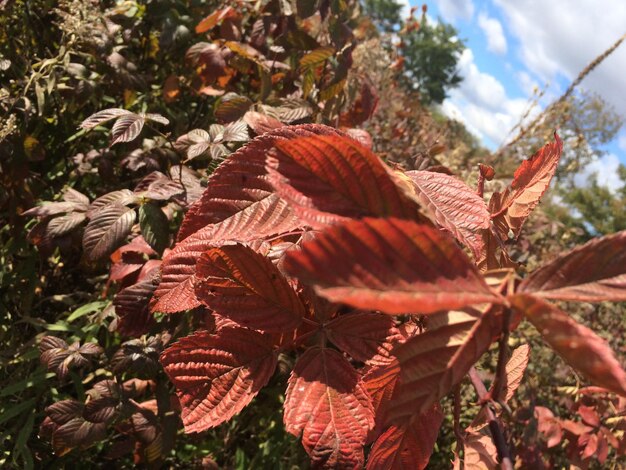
[{"x": 177, "y": 287}]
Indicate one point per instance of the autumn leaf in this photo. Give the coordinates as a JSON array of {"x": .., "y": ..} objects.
[
  {"x": 327, "y": 178},
  {"x": 407, "y": 445},
  {"x": 510, "y": 208},
  {"x": 107, "y": 230},
  {"x": 216, "y": 376},
  {"x": 327, "y": 403},
  {"x": 239, "y": 283},
  {"x": 433, "y": 362},
  {"x": 239, "y": 204},
  {"x": 578, "y": 345},
  {"x": 392, "y": 265},
  {"x": 453, "y": 206},
  {"x": 594, "y": 272}
]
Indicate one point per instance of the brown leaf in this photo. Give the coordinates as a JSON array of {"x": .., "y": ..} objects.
[{"x": 107, "y": 230}]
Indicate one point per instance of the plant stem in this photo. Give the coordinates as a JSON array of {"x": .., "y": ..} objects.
[
  {"x": 497, "y": 435},
  {"x": 503, "y": 351}
]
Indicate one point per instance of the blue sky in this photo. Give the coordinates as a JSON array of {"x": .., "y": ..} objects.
[{"x": 516, "y": 45}]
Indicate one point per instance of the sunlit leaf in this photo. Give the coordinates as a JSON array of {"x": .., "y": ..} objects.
[
  {"x": 578, "y": 345},
  {"x": 392, "y": 265},
  {"x": 216, "y": 376},
  {"x": 327, "y": 404},
  {"x": 594, "y": 272}
]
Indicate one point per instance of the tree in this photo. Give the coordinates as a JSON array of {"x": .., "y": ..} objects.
[
  {"x": 384, "y": 13},
  {"x": 431, "y": 54},
  {"x": 597, "y": 209}
]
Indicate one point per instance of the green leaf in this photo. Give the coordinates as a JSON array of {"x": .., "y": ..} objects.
[
  {"x": 154, "y": 226},
  {"x": 38, "y": 377},
  {"x": 91, "y": 307},
  {"x": 10, "y": 410}
]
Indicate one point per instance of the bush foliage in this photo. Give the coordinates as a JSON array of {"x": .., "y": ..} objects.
[{"x": 261, "y": 249}]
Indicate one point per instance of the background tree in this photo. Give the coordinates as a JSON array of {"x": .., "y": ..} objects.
[
  {"x": 386, "y": 14},
  {"x": 431, "y": 54}
]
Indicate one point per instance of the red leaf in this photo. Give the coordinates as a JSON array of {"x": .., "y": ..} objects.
[
  {"x": 594, "y": 272},
  {"x": 329, "y": 178},
  {"x": 453, "y": 205},
  {"x": 327, "y": 403},
  {"x": 215, "y": 18},
  {"x": 510, "y": 208},
  {"x": 392, "y": 265},
  {"x": 433, "y": 362},
  {"x": 380, "y": 382},
  {"x": 589, "y": 415},
  {"x": 239, "y": 283},
  {"x": 366, "y": 336},
  {"x": 408, "y": 445},
  {"x": 547, "y": 424},
  {"x": 216, "y": 376},
  {"x": 578, "y": 345},
  {"x": 239, "y": 205}
]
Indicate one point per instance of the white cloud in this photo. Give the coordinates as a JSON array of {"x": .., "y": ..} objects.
[
  {"x": 496, "y": 42},
  {"x": 456, "y": 9},
  {"x": 605, "y": 168},
  {"x": 406, "y": 8},
  {"x": 560, "y": 37},
  {"x": 482, "y": 104}
]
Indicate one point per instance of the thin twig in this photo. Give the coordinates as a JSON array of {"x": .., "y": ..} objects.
[
  {"x": 497, "y": 435},
  {"x": 503, "y": 353},
  {"x": 581, "y": 76},
  {"x": 458, "y": 432}
]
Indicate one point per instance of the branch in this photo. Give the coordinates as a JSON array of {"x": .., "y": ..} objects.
[
  {"x": 541, "y": 116},
  {"x": 503, "y": 350},
  {"x": 497, "y": 435}
]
